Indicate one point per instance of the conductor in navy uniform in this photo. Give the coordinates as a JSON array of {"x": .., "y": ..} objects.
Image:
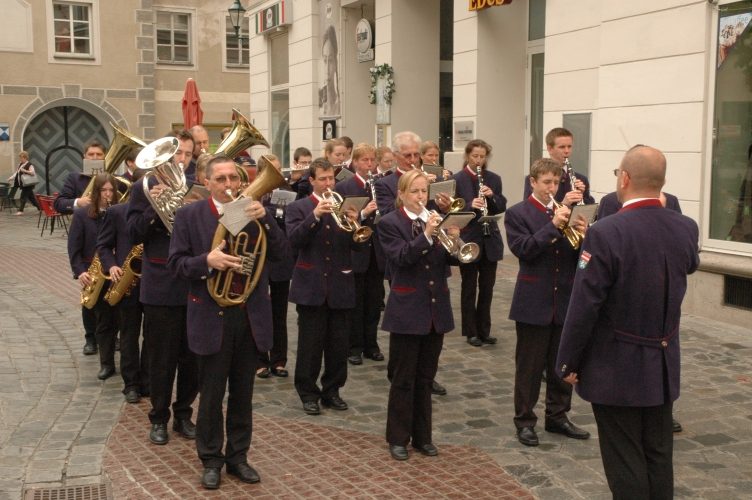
[{"x": 620, "y": 342}]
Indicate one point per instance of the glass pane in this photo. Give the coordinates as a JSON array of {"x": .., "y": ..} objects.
[
  {"x": 62, "y": 28},
  {"x": 279, "y": 61},
  {"x": 181, "y": 21},
  {"x": 281, "y": 126},
  {"x": 245, "y": 58},
  {"x": 61, "y": 11},
  {"x": 181, "y": 54},
  {"x": 164, "y": 53},
  {"x": 536, "y": 107},
  {"x": 232, "y": 42},
  {"x": 81, "y": 46},
  {"x": 228, "y": 25},
  {"x": 80, "y": 12},
  {"x": 536, "y": 28},
  {"x": 164, "y": 20},
  {"x": 180, "y": 38},
  {"x": 232, "y": 57},
  {"x": 81, "y": 30},
  {"x": 62, "y": 44},
  {"x": 164, "y": 37},
  {"x": 731, "y": 176}
]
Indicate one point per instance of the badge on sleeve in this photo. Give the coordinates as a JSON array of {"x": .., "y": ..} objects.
[{"x": 584, "y": 259}]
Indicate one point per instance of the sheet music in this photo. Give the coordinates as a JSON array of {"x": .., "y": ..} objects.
[
  {"x": 93, "y": 167},
  {"x": 234, "y": 217},
  {"x": 586, "y": 212},
  {"x": 344, "y": 174},
  {"x": 282, "y": 197},
  {"x": 197, "y": 192},
  {"x": 449, "y": 187},
  {"x": 457, "y": 219},
  {"x": 354, "y": 202}
]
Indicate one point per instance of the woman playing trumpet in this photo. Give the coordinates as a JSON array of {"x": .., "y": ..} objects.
[{"x": 418, "y": 313}]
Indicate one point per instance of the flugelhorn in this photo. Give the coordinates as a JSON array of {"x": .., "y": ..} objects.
[
  {"x": 121, "y": 145},
  {"x": 252, "y": 262},
  {"x": 464, "y": 252},
  {"x": 573, "y": 236},
  {"x": 360, "y": 233}
]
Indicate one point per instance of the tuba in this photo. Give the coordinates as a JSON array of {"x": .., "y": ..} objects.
[
  {"x": 121, "y": 145},
  {"x": 360, "y": 233},
  {"x": 242, "y": 136},
  {"x": 130, "y": 277},
  {"x": 156, "y": 157},
  {"x": 220, "y": 284},
  {"x": 574, "y": 236},
  {"x": 90, "y": 293}
]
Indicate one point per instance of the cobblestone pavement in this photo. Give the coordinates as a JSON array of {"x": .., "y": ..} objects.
[{"x": 60, "y": 426}]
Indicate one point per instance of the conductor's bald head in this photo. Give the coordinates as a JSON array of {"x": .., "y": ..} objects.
[{"x": 643, "y": 174}]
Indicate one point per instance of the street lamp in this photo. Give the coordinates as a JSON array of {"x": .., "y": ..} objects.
[{"x": 237, "y": 12}]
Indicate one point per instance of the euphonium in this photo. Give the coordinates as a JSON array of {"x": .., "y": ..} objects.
[
  {"x": 121, "y": 145},
  {"x": 574, "y": 236},
  {"x": 157, "y": 157},
  {"x": 130, "y": 277},
  {"x": 90, "y": 293},
  {"x": 464, "y": 252},
  {"x": 220, "y": 283},
  {"x": 360, "y": 233}
]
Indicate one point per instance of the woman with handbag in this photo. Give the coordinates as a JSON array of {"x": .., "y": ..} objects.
[{"x": 24, "y": 178}]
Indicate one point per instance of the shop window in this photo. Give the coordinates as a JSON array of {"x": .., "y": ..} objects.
[
  {"x": 731, "y": 171},
  {"x": 536, "y": 24},
  {"x": 173, "y": 37},
  {"x": 236, "y": 50},
  {"x": 72, "y": 25}
]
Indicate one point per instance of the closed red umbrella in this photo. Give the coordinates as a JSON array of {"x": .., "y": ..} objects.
[{"x": 192, "y": 113}]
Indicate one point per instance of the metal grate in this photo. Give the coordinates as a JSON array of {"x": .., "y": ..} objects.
[
  {"x": 83, "y": 492},
  {"x": 737, "y": 292}
]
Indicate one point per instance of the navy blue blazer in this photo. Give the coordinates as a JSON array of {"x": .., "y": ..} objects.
[
  {"x": 159, "y": 286},
  {"x": 609, "y": 204},
  {"x": 281, "y": 269},
  {"x": 565, "y": 186},
  {"x": 621, "y": 334},
  {"x": 191, "y": 242},
  {"x": 82, "y": 240},
  {"x": 75, "y": 185},
  {"x": 114, "y": 242},
  {"x": 386, "y": 192},
  {"x": 467, "y": 188},
  {"x": 362, "y": 259},
  {"x": 323, "y": 272},
  {"x": 547, "y": 265},
  {"x": 419, "y": 297}
]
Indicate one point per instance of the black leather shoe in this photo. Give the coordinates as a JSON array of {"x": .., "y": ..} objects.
[
  {"x": 427, "y": 449},
  {"x": 527, "y": 436},
  {"x": 398, "y": 452},
  {"x": 279, "y": 371},
  {"x": 334, "y": 402},
  {"x": 158, "y": 434},
  {"x": 263, "y": 372},
  {"x": 311, "y": 408},
  {"x": 211, "y": 478},
  {"x": 568, "y": 429},
  {"x": 90, "y": 348},
  {"x": 132, "y": 397},
  {"x": 105, "y": 373},
  {"x": 474, "y": 341},
  {"x": 376, "y": 356},
  {"x": 244, "y": 472},
  {"x": 185, "y": 428},
  {"x": 488, "y": 340},
  {"x": 438, "y": 389},
  {"x": 355, "y": 359},
  {"x": 675, "y": 425}
]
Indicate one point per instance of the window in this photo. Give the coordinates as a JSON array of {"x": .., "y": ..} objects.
[
  {"x": 72, "y": 29},
  {"x": 236, "y": 51},
  {"x": 173, "y": 38},
  {"x": 731, "y": 171}
]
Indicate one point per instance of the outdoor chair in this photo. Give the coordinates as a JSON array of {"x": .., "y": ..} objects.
[{"x": 50, "y": 214}]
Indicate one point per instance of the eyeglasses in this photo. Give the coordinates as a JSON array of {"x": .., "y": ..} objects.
[{"x": 222, "y": 179}]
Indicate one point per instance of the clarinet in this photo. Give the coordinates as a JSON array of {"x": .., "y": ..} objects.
[
  {"x": 484, "y": 209},
  {"x": 372, "y": 187},
  {"x": 573, "y": 179}
]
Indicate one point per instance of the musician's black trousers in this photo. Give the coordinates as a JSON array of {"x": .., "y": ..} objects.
[
  {"x": 232, "y": 367},
  {"x": 134, "y": 364},
  {"x": 322, "y": 332},
  {"x": 369, "y": 293},
  {"x": 416, "y": 359},
  {"x": 105, "y": 331},
  {"x": 537, "y": 347},
  {"x": 167, "y": 347},
  {"x": 477, "y": 277},
  {"x": 89, "y": 320},
  {"x": 279, "y": 291},
  {"x": 637, "y": 450}
]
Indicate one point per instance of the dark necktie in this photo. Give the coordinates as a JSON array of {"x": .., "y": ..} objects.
[
  {"x": 418, "y": 227},
  {"x": 550, "y": 213}
]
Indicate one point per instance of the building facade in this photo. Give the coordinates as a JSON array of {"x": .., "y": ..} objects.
[
  {"x": 674, "y": 74},
  {"x": 72, "y": 67}
]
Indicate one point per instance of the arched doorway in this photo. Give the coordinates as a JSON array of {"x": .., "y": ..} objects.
[{"x": 55, "y": 139}]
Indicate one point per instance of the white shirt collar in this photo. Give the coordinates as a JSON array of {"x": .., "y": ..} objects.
[
  {"x": 422, "y": 216},
  {"x": 549, "y": 206},
  {"x": 635, "y": 200},
  {"x": 220, "y": 206}
]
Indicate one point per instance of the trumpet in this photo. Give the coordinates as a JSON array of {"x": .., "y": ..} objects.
[
  {"x": 360, "y": 233},
  {"x": 573, "y": 236},
  {"x": 464, "y": 252}
]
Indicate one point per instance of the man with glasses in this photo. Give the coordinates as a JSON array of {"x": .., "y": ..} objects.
[{"x": 299, "y": 176}]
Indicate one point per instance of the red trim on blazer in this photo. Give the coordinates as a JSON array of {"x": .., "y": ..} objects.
[
  {"x": 650, "y": 202},
  {"x": 532, "y": 199},
  {"x": 213, "y": 207},
  {"x": 403, "y": 289},
  {"x": 157, "y": 260}
]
